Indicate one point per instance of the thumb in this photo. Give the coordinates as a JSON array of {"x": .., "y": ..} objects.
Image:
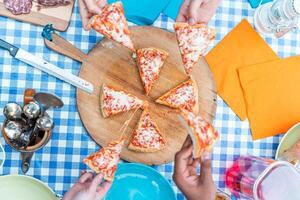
[
  {"x": 193, "y": 8},
  {"x": 92, "y": 7},
  {"x": 206, "y": 172},
  {"x": 95, "y": 183}
]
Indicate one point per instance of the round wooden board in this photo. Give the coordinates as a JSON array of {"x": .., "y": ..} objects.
[{"x": 111, "y": 63}]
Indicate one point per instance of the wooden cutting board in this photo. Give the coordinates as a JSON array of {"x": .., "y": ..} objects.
[
  {"x": 111, "y": 63},
  {"x": 58, "y": 16}
]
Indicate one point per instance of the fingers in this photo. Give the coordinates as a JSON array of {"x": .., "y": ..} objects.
[
  {"x": 101, "y": 3},
  {"x": 193, "y": 11},
  {"x": 182, "y": 159},
  {"x": 183, "y": 12},
  {"x": 196, "y": 162},
  {"x": 206, "y": 172},
  {"x": 85, "y": 177},
  {"x": 187, "y": 142},
  {"x": 84, "y": 15},
  {"x": 95, "y": 183},
  {"x": 92, "y": 6},
  {"x": 103, "y": 189}
]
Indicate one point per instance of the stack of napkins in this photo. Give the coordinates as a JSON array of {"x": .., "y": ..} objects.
[{"x": 255, "y": 83}]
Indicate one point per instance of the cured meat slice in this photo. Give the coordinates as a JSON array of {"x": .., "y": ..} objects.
[
  {"x": 54, "y": 2},
  {"x": 18, "y": 7}
]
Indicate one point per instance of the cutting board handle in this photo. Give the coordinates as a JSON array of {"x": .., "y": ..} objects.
[{"x": 64, "y": 47}]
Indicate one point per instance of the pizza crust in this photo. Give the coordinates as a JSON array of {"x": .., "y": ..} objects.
[
  {"x": 103, "y": 111},
  {"x": 195, "y": 109}
]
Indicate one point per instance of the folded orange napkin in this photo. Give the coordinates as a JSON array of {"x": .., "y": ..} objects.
[
  {"x": 272, "y": 95},
  {"x": 243, "y": 46}
]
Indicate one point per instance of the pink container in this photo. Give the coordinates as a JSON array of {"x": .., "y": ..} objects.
[{"x": 262, "y": 179}]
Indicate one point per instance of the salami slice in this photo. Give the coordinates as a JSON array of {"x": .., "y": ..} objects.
[
  {"x": 54, "y": 2},
  {"x": 18, "y": 7}
]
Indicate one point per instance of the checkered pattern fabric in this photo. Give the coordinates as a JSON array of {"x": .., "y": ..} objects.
[{"x": 59, "y": 163}]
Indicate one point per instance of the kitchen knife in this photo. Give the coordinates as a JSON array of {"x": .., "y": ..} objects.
[{"x": 47, "y": 67}]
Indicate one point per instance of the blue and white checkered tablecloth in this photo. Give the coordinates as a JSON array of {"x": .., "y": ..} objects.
[{"x": 59, "y": 163}]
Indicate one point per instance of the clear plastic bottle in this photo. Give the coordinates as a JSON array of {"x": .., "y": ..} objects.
[{"x": 278, "y": 17}]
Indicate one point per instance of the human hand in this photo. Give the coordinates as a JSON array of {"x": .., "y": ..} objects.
[
  {"x": 88, "y": 187},
  {"x": 193, "y": 186},
  {"x": 197, "y": 11},
  {"x": 88, "y": 8}
]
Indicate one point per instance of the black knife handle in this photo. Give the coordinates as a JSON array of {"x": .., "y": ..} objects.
[{"x": 11, "y": 48}]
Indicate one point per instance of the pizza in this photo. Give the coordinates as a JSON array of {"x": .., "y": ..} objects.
[
  {"x": 184, "y": 96},
  {"x": 146, "y": 137},
  {"x": 193, "y": 42},
  {"x": 150, "y": 62},
  {"x": 111, "y": 23},
  {"x": 115, "y": 101},
  {"x": 202, "y": 133},
  {"x": 106, "y": 160}
]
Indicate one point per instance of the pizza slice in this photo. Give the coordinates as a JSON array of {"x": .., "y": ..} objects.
[
  {"x": 202, "y": 133},
  {"x": 111, "y": 23},
  {"x": 106, "y": 160},
  {"x": 146, "y": 137},
  {"x": 184, "y": 96},
  {"x": 193, "y": 42},
  {"x": 113, "y": 101},
  {"x": 150, "y": 62}
]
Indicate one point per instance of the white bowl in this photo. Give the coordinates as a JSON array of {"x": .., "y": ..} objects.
[{"x": 288, "y": 140}]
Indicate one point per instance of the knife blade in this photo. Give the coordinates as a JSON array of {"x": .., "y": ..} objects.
[{"x": 47, "y": 67}]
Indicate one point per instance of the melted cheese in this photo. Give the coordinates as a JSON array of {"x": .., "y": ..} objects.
[
  {"x": 119, "y": 100},
  {"x": 182, "y": 96},
  {"x": 147, "y": 135},
  {"x": 150, "y": 61},
  {"x": 192, "y": 43}
]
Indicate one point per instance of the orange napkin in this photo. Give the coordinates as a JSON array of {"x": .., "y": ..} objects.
[
  {"x": 241, "y": 47},
  {"x": 272, "y": 95}
]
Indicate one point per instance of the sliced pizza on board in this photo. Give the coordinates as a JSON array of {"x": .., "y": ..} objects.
[
  {"x": 150, "y": 62},
  {"x": 193, "y": 42},
  {"x": 106, "y": 160},
  {"x": 111, "y": 23},
  {"x": 114, "y": 101},
  {"x": 146, "y": 137},
  {"x": 202, "y": 133},
  {"x": 184, "y": 96}
]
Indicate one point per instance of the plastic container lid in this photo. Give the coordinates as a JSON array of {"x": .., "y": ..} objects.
[{"x": 279, "y": 181}]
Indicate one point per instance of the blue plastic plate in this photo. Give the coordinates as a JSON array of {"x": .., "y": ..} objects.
[{"x": 139, "y": 182}]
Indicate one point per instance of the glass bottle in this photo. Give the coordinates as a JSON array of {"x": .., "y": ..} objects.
[{"x": 278, "y": 17}]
